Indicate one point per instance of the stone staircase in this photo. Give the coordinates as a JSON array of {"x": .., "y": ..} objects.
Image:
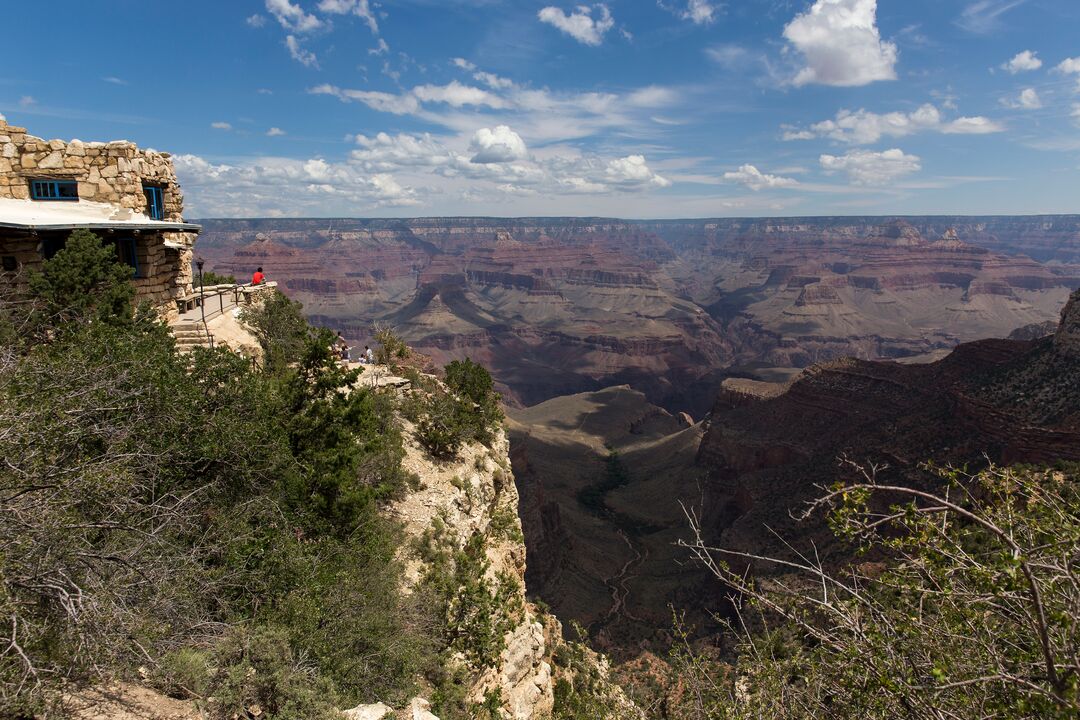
[{"x": 190, "y": 334}]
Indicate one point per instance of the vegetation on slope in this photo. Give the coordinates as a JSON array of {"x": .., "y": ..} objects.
[
  {"x": 976, "y": 615},
  {"x": 212, "y": 524}
]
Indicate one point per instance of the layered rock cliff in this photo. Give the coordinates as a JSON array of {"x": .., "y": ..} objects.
[{"x": 556, "y": 306}]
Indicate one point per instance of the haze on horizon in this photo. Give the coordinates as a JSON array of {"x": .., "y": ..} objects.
[{"x": 629, "y": 109}]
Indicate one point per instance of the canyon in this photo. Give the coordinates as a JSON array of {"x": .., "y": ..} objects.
[
  {"x": 720, "y": 367},
  {"x": 557, "y": 306}
]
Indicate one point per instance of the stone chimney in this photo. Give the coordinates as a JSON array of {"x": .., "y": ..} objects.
[{"x": 1067, "y": 337}]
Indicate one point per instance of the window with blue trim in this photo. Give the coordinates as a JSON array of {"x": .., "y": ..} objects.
[
  {"x": 155, "y": 202},
  {"x": 46, "y": 189},
  {"x": 127, "y": 253}
]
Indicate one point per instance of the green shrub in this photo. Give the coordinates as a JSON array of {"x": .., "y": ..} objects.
[
  {"x": 258, "y": 675},
  {"x": 209, "y": 518}
]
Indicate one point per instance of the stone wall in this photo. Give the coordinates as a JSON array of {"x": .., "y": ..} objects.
[{"x": 111, "y": 173}]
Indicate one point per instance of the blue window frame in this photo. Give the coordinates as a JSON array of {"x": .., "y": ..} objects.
[
  {"x": 155, "y": 202},
  {"x": 46, "y": 189}
]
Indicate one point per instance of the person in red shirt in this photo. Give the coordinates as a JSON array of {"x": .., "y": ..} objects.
[{"x": 258, "y": 278}]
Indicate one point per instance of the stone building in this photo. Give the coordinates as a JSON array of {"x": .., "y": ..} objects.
[{"x": 128, "y": 196}]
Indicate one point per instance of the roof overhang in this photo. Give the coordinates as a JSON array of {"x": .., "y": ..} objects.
[
  {"x": 152, "y": 226},
  {"x": 35, "y": 216}
]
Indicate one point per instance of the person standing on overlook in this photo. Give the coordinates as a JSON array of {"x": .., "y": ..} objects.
[{"x": 258, "y": 278}]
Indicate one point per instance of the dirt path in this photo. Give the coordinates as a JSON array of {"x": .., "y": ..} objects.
[{"x": 619, "y": 583}]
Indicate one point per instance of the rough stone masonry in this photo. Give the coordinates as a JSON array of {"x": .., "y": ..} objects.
[{"x": 113, "y": 173}]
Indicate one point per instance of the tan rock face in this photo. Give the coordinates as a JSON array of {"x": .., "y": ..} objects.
[{"x": 468, "y": 493}]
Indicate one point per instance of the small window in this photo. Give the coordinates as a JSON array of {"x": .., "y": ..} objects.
[
  {"x": 54, "y": 190},
  {"x": 155, "y": 206},
  {"x": 126, "y": 253}
]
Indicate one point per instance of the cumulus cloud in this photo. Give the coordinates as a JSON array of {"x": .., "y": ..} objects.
[
  {"x": 275, "y": 186},
  {"x": 580, "y": 24},
  {"x": 499, "y": 156},
  {"x": 754, "y": 179},
  {"x": 292, "y": 17},
  {"x": 631, "y": 171},
  {"x": 862, "y": 127},
  {"x": 1028, "y": 99},
  {"x": 275, "y": 132},
  {"x": 299, "y": 54},
  {"x": 864, "y": 167},
  {"x": 256, "y": 20},
  {"x": 381, "y": 48},
  {"x": 497, "y": 145},
  {"x": 359, "y": 8},
  {"x": 221, "y": 125},
  {"x": 841, "y": 45},
  {"x": 1070, "y": 66},
  {"x": 1022, "y": 62},
  {"x": 463, "y": 64}
]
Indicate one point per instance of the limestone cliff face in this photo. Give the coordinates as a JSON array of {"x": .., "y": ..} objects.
[{"x": 471, "y": 495}]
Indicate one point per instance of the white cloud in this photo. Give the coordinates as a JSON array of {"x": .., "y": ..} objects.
[
  {"x": 1022, "y": 62},
  {"x": 463, "y": 64},
  {"x": 754, "y": 179},
  {"x": 699, "y": 12},
  {"x": 983, "y": 16},
  {"x": 27, "y": 101},
  {"x": 299, "y": 54},
  {"x": 1070, "y": 66},
  {"x": 456, "y": 95},
  {"x": 381, "y": 101},
  {"x": 286, "y": 186},
  {"x": 580, "y": 25},
  {"x": 256, "y": 20},
  {"x": 863, "y": 127},
  {"x": 381, "y": 48},
  {"x": 359, "y": 8},
  {"x": 1028, "y": 99},
  {"x": 275, "y": 132},
  {"x": 112, "y": 80},
  {"x": 1076, "y": 113},
  {"x": 292, "y": 17},
  {"x": 221, "y": 125},
  {"x": 540, "y": 114},
  {"x": 841, "y": 45},
  {"x": 497, "y": 145},
  {"x": 872, "y": 168},
  {"x": 632, "y": 170},
  {"x": 493, "y": 81}
]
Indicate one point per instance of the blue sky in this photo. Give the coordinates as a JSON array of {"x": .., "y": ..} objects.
[{"x": 628, "y": 108}]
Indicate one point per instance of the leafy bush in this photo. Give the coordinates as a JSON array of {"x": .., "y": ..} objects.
[
  {"x": 83, "y": 281},
  {"x": 279, "y": 325},
  {"x": 194, "y": 514},
  {"x": 975, "y": 617},
  {"x": 209, "y": 277},
  {"x": 391, "y": 347}
]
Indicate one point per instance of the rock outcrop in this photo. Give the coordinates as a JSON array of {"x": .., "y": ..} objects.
[
  {"x": 1005, "y": 401},
  {"x": 470, "y": 495}
]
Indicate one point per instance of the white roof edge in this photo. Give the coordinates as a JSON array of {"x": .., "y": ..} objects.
[{"x": 83, "y": 214}]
